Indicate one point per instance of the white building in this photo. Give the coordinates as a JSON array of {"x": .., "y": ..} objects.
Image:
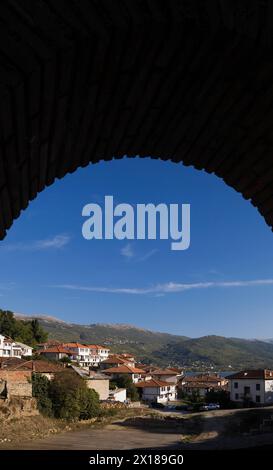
[
  {"x": 119, "y": 394},
  {"x": 10, "y": 348},
  {"x": 252, "y": 385},
  {"x": 133, "y": 372},
  {"x": 166, "y": 375},
  {"x": 98, "y": 353},
  {"x": 87, "y": 355},
  {"x": 80, "y": 353},
  {"x": 157, "y": 391}
]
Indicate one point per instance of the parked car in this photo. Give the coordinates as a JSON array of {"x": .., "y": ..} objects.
[{"x": 210, "y": 407}]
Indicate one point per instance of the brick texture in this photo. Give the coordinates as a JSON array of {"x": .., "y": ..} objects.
[{"x": 88, "y": 80}]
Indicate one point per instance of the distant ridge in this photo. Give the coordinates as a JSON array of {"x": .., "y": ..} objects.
[{"x": 165, "y": 349}]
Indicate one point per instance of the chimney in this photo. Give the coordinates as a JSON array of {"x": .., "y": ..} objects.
[{"x": 33, "y": 366}]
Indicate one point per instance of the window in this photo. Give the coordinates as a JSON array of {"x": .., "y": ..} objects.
[
  {"x": 258, "y": 387},
  {"x": 258, "y": 399},
  {"x": 235, "y": 384},
  {"x": 236, "y": 396}
]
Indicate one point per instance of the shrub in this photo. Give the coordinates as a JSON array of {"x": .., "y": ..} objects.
[
  {"x": 71, "y": 399},
  {"x": 40, "y": 390},
  {"x": 125, "y": 381}
]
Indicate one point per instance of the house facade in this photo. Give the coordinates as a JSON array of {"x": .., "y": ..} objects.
[
  {"x": 254, "y": 386},
  {"x": 87, "y": 355},
  {"x": 10, "y": 348},
  {"x": 134, "y": 373},
  {"x": 116, "y": 360},
  {"x": 95, "y": 381},
  {"x": 166, "y": 375},
  {"x": 55, "y": 353},
  {"x": 97, "y": 353},
  {"x": 119, "y": 394},
  {"x": 157, "y": 391},
  {"x": 202, "y": 384}
]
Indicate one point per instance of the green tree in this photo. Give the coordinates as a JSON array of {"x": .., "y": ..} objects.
[
  {"x": 125, "y": 381},
  {"x": 39, "y": 335},
  {"x": 40, "y": 390},
  {"x": 71, "y": 399},
  {"x": 29, "y": 332}
]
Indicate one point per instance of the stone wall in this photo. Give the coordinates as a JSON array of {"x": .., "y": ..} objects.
[{"x": 17, "y": 383}]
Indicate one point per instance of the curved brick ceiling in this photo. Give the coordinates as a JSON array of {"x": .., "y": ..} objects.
[{"x": 85, "y": 80}]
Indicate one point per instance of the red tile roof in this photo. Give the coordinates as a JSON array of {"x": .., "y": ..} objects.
[
  {"x": 41, "y": 366},
  {"x": 153, "y": 383},
  {"x": 74, "y": 345},
  {"x": 123, "y": 370},
  {"x": 203, "y": 378},
  {"x": 115, "y": 359},
  {"x": 56, "y": 349}
]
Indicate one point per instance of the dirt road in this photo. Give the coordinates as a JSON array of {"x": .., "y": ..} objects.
[{"x": 108, "y": 437}]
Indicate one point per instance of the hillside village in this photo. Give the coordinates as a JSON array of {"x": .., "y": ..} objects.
[{"x": 120, "y": 380}]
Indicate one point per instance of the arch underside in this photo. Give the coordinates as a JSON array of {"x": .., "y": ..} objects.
[{"x": 89, "y": 80}]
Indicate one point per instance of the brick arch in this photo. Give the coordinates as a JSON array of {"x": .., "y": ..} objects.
[{"x": 89, "y": 80}]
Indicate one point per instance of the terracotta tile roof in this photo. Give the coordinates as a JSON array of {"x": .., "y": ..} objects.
[
  {"x": 123, "y": 370},
  {"x": 55, "y": 349},
  {"x": 114, "y": 360},
  {"x": 153, "y": 383},
  {"x": 9, "y": 362},
  {"x": 203, "y": 378},
  {"x": 74, "y": 345},
  {"x": 201, "y": 385},
  {"x": 41, "y": 366},
  {"x": 97, "y": 346},
  {"x": 264, "y": 374}
]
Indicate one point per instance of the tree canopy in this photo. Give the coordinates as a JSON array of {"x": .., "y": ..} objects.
[{"x": 25, "y": 331}]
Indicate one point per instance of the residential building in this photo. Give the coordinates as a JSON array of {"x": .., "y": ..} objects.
[
  {"x": 48, "y": 344},
  {"x": 11, "y": 348},
  {"x": 46, "y": 368},
  {"x": 97, "y": 353},
  {"x": 201, "y": 384},
  {"x": 118, "y": 394},
  {"x": 157, "y": 391},
  {"x": 16, "y": 373},
  {"x": 252, "y": 386},
  {"x": 166, "y": 375},
  {"x": 26, "y": 350},
  {"x": 116, "y": 360},
  {"x": 55, "y": 353},
  {"x": 80, "y": 353},
  {"x": 87, "y": 355},
  {"x": 95, "y": 380},
  {"x": 134, "y": 373}
]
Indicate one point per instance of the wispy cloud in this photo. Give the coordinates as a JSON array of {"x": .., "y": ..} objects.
[
  {"x": 167, "y": 288},
  {"x": 127, "y": 251},
  {"x": 57, "y": 242},
  {"x": 148, "y": 255}
]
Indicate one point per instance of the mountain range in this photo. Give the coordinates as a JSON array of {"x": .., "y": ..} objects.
[{"x": 165, "y": 349}]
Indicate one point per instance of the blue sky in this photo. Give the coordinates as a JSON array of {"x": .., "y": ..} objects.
[{"x": 223, "y": 284}]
